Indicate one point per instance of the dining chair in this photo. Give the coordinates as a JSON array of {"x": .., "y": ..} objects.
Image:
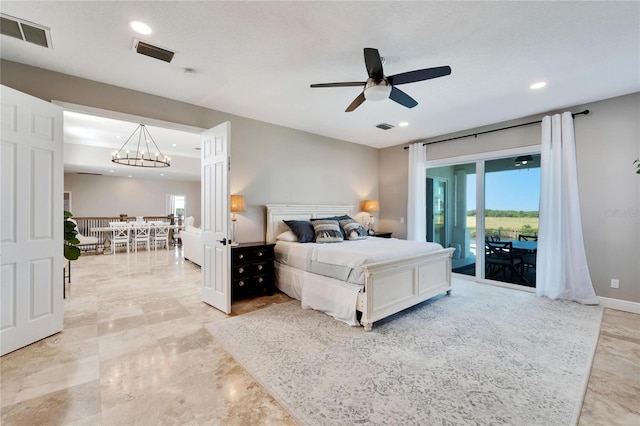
[
  {"x": 528, "y": 256},
  {"x": 161, "y": 234},
  {"x": 140, "y": 234},
  {"x": 119, "y": 235},
  {"x": 500, "y": 257}
]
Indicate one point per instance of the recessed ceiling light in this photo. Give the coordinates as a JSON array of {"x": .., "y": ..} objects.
[
  {"x": 118, "y": 137},
  {"x": 140, "y": 27},
  {"x": 110, "y": 171},
  {"x": 175, "y": 144},
  {"x": 161, "y": 174},
  {"x": 129, "y": 176},
  {"x": 538, "y": 85},
  {"x": 403, "y": 124}
]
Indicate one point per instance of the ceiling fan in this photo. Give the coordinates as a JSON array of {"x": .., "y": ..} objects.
[{"x": 378, "y": 87}]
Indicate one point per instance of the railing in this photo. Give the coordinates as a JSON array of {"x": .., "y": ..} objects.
[{"x": 505, "y": 234}]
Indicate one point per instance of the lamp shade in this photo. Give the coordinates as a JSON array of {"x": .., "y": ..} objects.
[
  {"x": 371, "y": 206},
  {"x": 237, "y": 203}
]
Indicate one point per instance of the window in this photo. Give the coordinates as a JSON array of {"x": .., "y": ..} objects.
[{"x": 176, "y": 205}]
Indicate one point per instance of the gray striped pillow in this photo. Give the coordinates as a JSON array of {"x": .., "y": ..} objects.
[
  {"x": 327, "y": 231},
  {"x": 353, "y": 230}
]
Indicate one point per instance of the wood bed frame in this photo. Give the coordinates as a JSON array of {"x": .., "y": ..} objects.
[{"x": 390, "y": 286}]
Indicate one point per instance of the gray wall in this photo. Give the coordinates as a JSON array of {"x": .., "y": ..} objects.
[
  {"x": 607, "y": 143},
  {"x": 112, "y": 196},
  {"x": 269, "y": 163},
  {"x": 274, "y": 164}
]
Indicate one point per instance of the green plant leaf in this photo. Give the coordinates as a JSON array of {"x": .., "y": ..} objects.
[{"x": 71, "y": 252}]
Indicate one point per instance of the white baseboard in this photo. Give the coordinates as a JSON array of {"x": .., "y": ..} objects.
[{"x": 620, "y": 305}]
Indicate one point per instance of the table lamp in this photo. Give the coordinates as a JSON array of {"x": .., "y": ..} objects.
[
  {"x": 371, "y": 206},
  {"x": 237, "y": 205}
]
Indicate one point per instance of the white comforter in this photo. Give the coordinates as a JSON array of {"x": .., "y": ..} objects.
[{"x": 344, "y": 260}]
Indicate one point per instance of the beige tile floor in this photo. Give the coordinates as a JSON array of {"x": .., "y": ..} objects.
[{"x": 134, "y": 351}]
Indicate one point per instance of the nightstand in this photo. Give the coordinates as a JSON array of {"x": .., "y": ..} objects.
[
  {"x": 251, "y": 270},
  {"x": 382, "y": 234}
]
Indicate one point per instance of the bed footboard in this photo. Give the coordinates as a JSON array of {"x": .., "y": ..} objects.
[{"x": 394, "y": 285}]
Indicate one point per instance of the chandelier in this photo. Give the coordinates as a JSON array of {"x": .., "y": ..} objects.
[{"x": 143, "y": 155}]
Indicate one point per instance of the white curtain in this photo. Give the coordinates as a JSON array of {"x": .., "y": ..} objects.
[
  {"x": 561, "y": 268},
  {"x": 417, "y": 200},
  {"x": 171, "y": 204}
]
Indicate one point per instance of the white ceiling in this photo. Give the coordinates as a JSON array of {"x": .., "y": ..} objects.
[{"x": 257, "y": 59}]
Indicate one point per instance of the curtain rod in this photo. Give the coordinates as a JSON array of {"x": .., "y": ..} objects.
[{"x": 585, "y": 112}]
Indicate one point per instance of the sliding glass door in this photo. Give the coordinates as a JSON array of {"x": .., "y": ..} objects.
[
  {"x": 512, "y": 197},
  {"x": 451, "y": 195},
  {"x": 488, "y": 211}
]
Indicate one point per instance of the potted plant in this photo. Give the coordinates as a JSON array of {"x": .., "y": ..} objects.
[
  {"x": 71, "y": 251},
  {"x": 637, "y": 164}
]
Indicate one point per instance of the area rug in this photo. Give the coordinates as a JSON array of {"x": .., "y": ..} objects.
[{"x": 484, "y": 355}]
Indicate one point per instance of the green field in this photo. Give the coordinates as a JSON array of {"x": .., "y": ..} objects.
[{"x": 506, "y": 227}]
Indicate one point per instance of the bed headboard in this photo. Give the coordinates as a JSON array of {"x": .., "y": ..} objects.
[{"x": 276, "y": 213}]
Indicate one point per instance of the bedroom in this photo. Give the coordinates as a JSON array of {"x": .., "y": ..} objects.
[{"x": 382, "y": 173}]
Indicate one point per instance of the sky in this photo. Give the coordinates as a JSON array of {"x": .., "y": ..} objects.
[{"x": 508, "y": 190}]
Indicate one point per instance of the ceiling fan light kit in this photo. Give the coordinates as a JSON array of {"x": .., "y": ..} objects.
[
  {"x": 379, "y": 87},
  {"x": 377, "y": 92}
]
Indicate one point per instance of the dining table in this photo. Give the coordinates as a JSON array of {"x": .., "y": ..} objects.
[
  {"x": 132, "y": 225},
  {"x": 531, "y": 246}
]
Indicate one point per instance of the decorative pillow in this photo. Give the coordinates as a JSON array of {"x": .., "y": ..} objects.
[
  {"x": 287, "y": 236},
  {"x": 352, "y": 229},
  {"x": 188, "y": 221},
  {"x": 338, "y": 218},
  {"x": 327, "y": 231},
  {"x": 303, "y": 229}
]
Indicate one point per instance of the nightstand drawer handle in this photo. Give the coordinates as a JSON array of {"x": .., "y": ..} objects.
[
  {"x": 240, "y": 283},
  {"x": 260, "y": 279},
  {"x": 260, "y": 267},
  {"x": 260, "y": 254},
  {"x": 241, "y": 270},
  {"x": 241, "y": 256}
]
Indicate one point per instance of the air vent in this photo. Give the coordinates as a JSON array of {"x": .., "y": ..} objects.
[
  {"x": 152, "y": 51},
  {"x": 88, "y": 173},
  {"x": 25, "y": 30},
  {"x": 384, "y": 126}
]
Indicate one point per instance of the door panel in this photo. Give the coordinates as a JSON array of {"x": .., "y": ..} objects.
[
  {"x": 31, "y": 234},
  {"x": 216, "y": 285}
]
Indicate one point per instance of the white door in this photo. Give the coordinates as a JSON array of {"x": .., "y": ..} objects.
[
  {"x": 31, "y": 228},
  {"x": 216, "y": 283}
]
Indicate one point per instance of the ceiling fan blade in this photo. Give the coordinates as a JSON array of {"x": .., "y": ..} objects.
[
  {"x": 373, "y": 63},
  {"x": 419, "y": 75},
  {"x": 345, "y": 84},
  {"x": 402, "y": 98},
  {"x": 356, "y": 103}
]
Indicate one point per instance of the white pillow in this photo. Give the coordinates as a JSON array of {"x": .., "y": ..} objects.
[
  {"x": 188, "y": 221},
  {"x": 287, "y": 236}
]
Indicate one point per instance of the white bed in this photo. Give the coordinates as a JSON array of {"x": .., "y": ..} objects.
[{"x": 378, "y": 289}]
